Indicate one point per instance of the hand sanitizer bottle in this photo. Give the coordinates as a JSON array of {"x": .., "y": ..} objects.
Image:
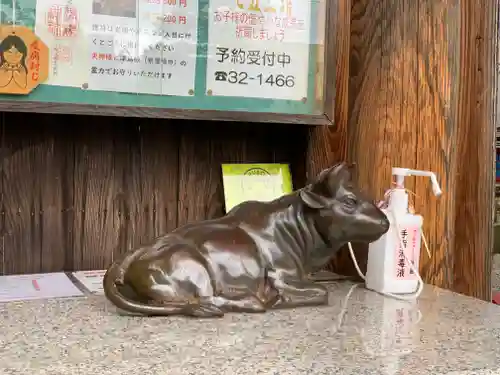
[{"x": 393, "y": 259}]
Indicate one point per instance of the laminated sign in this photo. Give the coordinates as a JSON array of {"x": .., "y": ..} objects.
[{"x": 24, "y": 60}]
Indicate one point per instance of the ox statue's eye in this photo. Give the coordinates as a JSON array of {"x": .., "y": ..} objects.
[{"x": 350, "y": 202}]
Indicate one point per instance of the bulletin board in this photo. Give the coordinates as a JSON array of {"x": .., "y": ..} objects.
[{"x": 215, "y": 59}]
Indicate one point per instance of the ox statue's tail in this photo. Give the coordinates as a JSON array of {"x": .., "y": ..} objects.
[{"x": 115, "y": 276}]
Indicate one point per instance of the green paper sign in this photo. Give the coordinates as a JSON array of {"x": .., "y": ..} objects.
[{"x": 258, "y": 182}]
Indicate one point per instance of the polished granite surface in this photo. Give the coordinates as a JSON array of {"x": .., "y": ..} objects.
[
  {"x": 495, "y": 276},
  {"x": 360, "y": 332}
]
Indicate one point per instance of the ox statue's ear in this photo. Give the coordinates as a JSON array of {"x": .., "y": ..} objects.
[
  {"x": 323, "y": 175},
  {"x": 342, "y": 171},
  {"x": 312, "y": 199}
]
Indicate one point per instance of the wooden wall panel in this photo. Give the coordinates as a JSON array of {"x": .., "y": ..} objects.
[
  {"x": 438, "y": 59},
  {"x": 203, "y": 149},
  {"x": 155, "y": 181},
  {"x": 77, "y": 191},
  {"x": 404, "y": 80},
  {"x": 475, "y": 148},
  {"x": 328, "y": 145},
  {"x": 421, "y": 90},
  {"x": 33, "y": 160},
  {"x": 125, "y": 188},
  {"x": 100, "y": 165},
  {"x": 198, "y": 179},
  {"x": 382, "y": 100},
  {"x": 148, "y": 198}
]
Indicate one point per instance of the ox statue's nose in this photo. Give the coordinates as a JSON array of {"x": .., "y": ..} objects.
[{"x": 385, "y": 224}]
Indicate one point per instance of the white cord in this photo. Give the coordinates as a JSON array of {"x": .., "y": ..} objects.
[
  {"x": 401, "y": 297},
  {"x": 343, "y": 310}
]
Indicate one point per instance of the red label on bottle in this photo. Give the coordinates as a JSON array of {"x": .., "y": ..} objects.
[{"x": 406, "y": 245}]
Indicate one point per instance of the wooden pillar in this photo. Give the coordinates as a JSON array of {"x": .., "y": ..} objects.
[
  {"x": 421, "y": 96},
  {"x": 327, "y": 144},
  {"x": 475, "y": 148}
]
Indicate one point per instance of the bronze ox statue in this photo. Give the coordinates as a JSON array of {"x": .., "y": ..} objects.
[{"x": 259, "y": 256}]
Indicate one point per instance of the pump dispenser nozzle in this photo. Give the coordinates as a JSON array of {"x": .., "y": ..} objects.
[{"x": 401, "y": 173}]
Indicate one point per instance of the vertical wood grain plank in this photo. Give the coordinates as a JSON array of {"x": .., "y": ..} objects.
[
  {"x": 409, "y": 87},
  {"x": 328, "y": 26},
  {"x": 366, "y": 109},
  {"x": 98, "y": 186},
  {"x": 3, "y": 155},
  {"x": 151, "y": 182},
  {"x": 56, "y": 193},
  {"x": 197, "y": 176},
  {"x": 366, "y": 96},
  {"x": 22, "y": 199},
  {"x": 288, "y": 150},
  {"x": 33, "y": 202},
  {"x": 127, "y": 173},
  {"x": 475, "y": 148},
  {"x": 230, "y": 147},
  {"x": 394, "y": 107},
  {"x": 428, "y": 105},
  {"x": 160, "y": 163},
  {"x": 376, "y": 131},
  {"x": 327, "y": 145},
  {"x": 124, "y": 138},
  {"x": 260, "y": 144},
  {"x": 406, "y": 134},
  {"x": 438, "y": 64},
  {"x": 67, "y": 191},
  {"x": 384, "y": 46},
  {"x": 280, "y": 144}
]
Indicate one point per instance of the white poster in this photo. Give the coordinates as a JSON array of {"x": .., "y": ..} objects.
[
  {"x": 135, "y": 46},
  {"x": 92, "y": 280},
  {"x": 37, "y": 286},
  {"x": 259, "y": 48},
  {"x": 64, "y": 26}
]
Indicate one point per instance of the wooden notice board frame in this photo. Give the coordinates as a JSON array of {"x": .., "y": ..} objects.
[{"x": 324, "y": 80}]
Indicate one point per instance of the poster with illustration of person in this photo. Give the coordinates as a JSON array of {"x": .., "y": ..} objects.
[
  {"x": 24, "y": 60},
  {"x": 13, "y": 69}
]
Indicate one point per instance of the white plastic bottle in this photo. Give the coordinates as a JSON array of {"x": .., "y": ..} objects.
[{"x": 389, "y": 270}]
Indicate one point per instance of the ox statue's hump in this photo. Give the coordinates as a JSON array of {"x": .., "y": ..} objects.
[{"x": 250, "y": 208}]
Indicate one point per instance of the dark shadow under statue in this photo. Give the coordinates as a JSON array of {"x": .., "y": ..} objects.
[{"x": 255, "y": 258}]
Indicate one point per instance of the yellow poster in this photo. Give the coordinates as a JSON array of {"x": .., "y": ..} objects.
[
  {"x": 24, "y": 60},
  {"x": 259, "y": 182}
]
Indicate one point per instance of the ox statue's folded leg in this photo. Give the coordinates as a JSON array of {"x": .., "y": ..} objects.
[
  {"x": 257, "y": 299},
  {"x": 247, "y": 304},
  {"x": 295, "y": 292}
]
